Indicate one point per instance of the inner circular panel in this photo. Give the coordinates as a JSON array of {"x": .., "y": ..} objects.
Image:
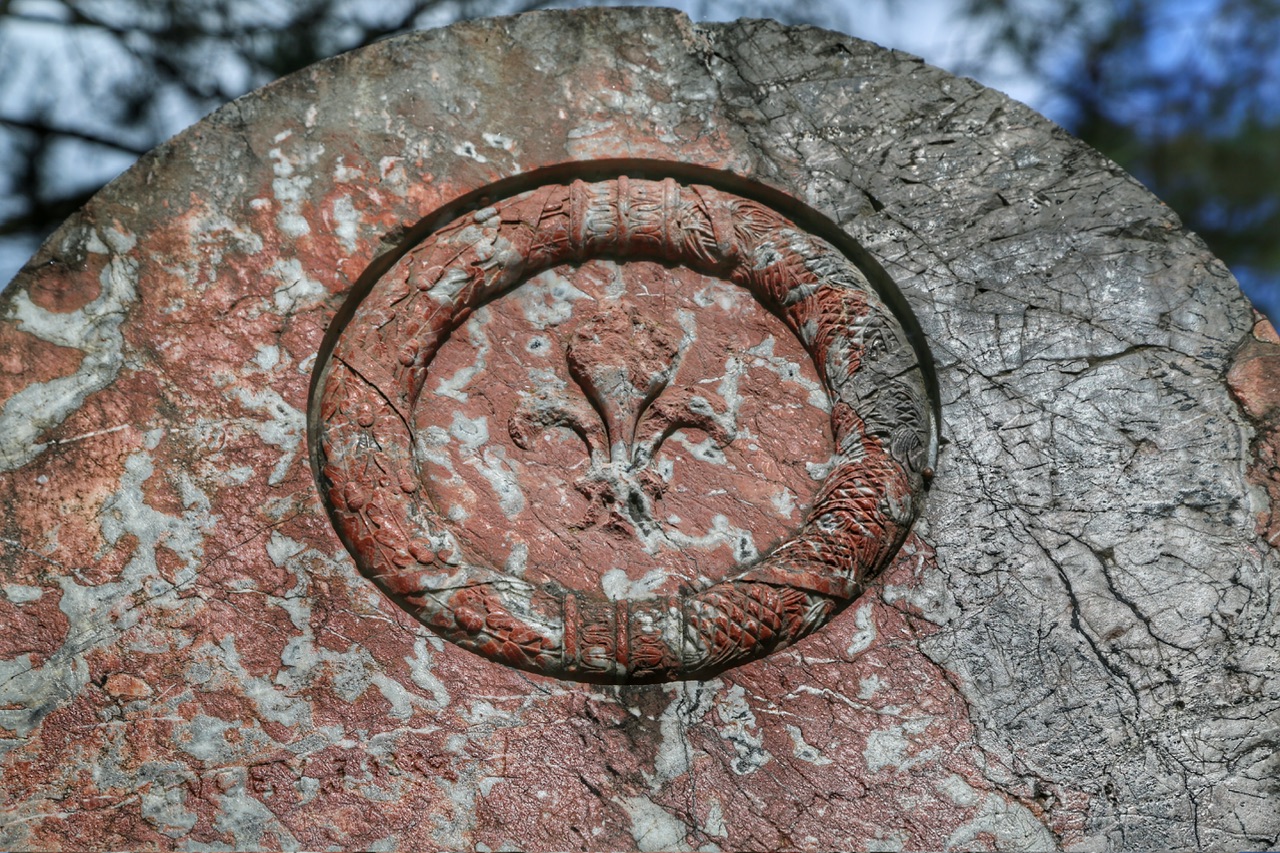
[{"x": 626, "y": 428}]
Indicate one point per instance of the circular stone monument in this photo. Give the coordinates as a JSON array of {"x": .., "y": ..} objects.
[{"x": 897, "y": 468}]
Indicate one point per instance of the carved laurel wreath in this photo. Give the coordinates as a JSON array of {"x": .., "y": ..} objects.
[{"x": 880, "y": 419}]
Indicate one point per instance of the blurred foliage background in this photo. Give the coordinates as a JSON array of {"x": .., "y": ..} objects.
[{"x": 1185, "y": 94}]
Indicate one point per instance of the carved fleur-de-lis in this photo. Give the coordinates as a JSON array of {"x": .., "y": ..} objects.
[{"x": 624, "y": 362}]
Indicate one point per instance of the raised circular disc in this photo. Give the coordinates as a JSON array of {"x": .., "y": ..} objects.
[
  {"x": 708, "y": 489},
  {"x": 622, "y": 359}
]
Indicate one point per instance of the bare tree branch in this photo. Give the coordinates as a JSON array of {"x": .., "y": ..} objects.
[{"x": 47, "y": 130}]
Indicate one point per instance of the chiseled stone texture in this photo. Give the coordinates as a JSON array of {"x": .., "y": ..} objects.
[{"x": 1076, "y": 648}]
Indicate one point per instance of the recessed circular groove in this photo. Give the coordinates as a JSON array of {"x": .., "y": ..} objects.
[{"x": 882, "y": 423}]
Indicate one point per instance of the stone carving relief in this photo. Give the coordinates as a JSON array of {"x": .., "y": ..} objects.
[{"x": 623, "y": 396}]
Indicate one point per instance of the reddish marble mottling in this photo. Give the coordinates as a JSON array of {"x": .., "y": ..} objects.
[
  {"x": 197, "y": 662},
  {"x": 1252, "y": 379},
  {"x": 35, "y": 629},
  {"x": 62, "y": 289},
  {"x": 24, "y": 358}
]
